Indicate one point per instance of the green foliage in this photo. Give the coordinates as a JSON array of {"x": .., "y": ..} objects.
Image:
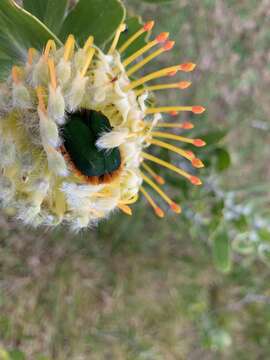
[
  {"x": 5, "y": 66},
  {"x": 223, "y": 159},
  {"x": 214, "y": 136},
  {"x": 19, "y": 30},
  {"x": 133, "y": 25},
  {"x": 93, "y": 17},
  {"x": 243, "y": 245},
  {"x": 50, "y": 12},
  {"x": 16, "y": 355},
  {"x": 11, "y": 355},
  {"x": 221, "y": 249}
]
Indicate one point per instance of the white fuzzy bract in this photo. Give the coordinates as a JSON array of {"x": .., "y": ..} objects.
[{"x": 112, "y": 139}]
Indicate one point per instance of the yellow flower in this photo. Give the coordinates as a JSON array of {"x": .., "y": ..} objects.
[{"x": 75, "y": 130}]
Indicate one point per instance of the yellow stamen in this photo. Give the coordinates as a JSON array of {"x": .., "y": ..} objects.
[
  {"x": 168, "y": 109},
  {"x": 69, "y": 47},
  {"x": 166, "y": 165},
  {"x": 125, "y": 208},
  {"x": 155, "y": 75},
  {"x": 165, "y": 135},
  {"x": 31, "y": 52},
  {"x": 164, "y": 196},
  {"x": 173, "y": 148},
  {"x": 52, "y": 73},
  {"x": 163, "y": 87},
  {"x": 174, "y": 125},
  {"x": 141, "y": 51},
  {"x": 49, "y": 47},
  {"x": 89, "y": 58},
  {"x": 129, "y": 201},
  {"x": 158, "y": 178},
  {"x": 103, "y": 194},
  {"x": 159, "y": 212},
  {"x": 16, "y": 74},
  {"x": 120, "y": 29},
  {"x": 147, "y": 27},
  {"x": 89, "y": 42},
  {"x": 166, "y": 47},
  {"x": 40, "y": 95},
  {"x": 197, "y": 163},
  {"x": 145, "y": 61}
]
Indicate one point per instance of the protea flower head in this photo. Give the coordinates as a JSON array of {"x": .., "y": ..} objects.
[{"x": 76, "y": 130}]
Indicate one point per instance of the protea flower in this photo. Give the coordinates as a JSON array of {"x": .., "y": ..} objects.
[{"x": 76, "y": 130}]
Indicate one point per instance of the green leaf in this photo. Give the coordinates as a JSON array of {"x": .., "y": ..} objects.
[
  {"x": 213, "y": 137},
  {"x": 264, "y": 253},
  {"x": 19, "y": 31},
  {"x": 220, "y": 339},
  {"x": 4, "y": 354},
  {"x": 264, "y": 234},
  {"x": 243, "y": 245},
  {"x": 133, "y": 25},
  {"x": 241, "y": 223},
  {"x": 221, "y": 249},
  {"x": 16, "y": 355},
  {"x": 80, "y": 136},
  {"x": 5, "y": 65},
  {"x": 223, "y": 159},
  {"x": 93, "y": 17},
  {"x": 51, "y": 12}
]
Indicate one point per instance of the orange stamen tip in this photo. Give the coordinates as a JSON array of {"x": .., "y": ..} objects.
[
  {"x": 176, "y": 208},
  {"x": 187, "y": 67},
  {"x": 197, "y": 163},
  {"x": 168, "y": 45},
  {"x": 195, "y": 180},
  {"x": 198, "y": 109},
  {"x": 190, "y": 154},
  {"x": 172, "y": 73},
  {"x": 184, "y": 84},
  {"x": 188, "y": 125},
  {"x": 199, "y": 142},
  {"x": 159, "y": 212},
  {"x": 173, "y": 113},
  {"x": 160, "y": 180},
  {"x": 149, "y": 25},
  {"x": 162, "y": 37}
]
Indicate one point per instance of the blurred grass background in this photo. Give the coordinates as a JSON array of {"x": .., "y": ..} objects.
[{"x": 142, "y": 288}]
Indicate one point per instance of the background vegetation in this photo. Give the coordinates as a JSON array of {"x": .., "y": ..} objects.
[{"x": 193, "y": 286}]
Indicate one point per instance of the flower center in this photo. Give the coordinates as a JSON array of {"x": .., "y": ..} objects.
[{"x": 80, "y": 135}]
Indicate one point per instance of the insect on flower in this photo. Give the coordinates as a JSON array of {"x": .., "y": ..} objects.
[{"x": 75, "y": 131}]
